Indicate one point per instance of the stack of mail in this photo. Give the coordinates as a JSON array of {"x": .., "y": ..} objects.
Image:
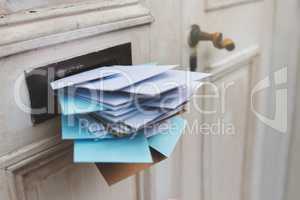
[{"x": 124, "y": 114}]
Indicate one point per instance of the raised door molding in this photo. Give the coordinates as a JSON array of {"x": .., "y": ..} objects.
[
  {"x": 211, "y": 5},
  {"x": 40, "y": 159},
  {"x": 37, "y": 28},
  {"x": 232, "y": 63},
  {"x": 228, "y": 157},
  {"x": 45, "y": 171}
]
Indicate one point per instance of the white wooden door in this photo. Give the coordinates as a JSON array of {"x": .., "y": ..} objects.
[
  {"x": 217, "y": 157},
  {"x": 227, "y": 157},
  {"x": 228, "y": 136},
  {"x": 227, "y": 147}
]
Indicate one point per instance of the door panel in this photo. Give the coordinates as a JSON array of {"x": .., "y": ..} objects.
[
  {"x": 33, "y": 174},
  {"x": 225, "y": 143},
  {"x": 75, "y": 182},
  {"x": 226, "y": 155},
  {"x": 19, "y": 5},
  {"x": 218, "y": 166}
]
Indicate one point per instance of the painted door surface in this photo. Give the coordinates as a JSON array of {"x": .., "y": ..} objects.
[
  {"x": 226, "y": 126},
  {"x": 230, "y": 147},
  {"x": 217, "y": 155}
]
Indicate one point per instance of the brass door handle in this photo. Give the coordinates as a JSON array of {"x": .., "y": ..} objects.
[{"x": 197, "y": 35}]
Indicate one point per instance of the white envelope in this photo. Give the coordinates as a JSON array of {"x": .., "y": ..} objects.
[
  {"x": 141, "y": 119},
  {"x": 116, "y": 119},
  {"x": 108, "y": 98},
  {"x": 173, "y": 98},
  {"x": 120, "y": 112},
  {"x": 106, "y": 106},
  {"x": 164, "y": 82},
  {"x": 93, "y": 74},
  {"x": 128, "y": 75},
  {"x": 167, "y": 114},
  {"x": 138, "y": 120}
]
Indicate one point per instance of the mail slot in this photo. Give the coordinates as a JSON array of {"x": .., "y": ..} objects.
[{"x": 42, "y": 99}]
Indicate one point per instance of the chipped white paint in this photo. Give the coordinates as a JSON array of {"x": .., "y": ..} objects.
[
  {"x": 19, "y": 5},
  {"x": 25, "y": 31}
]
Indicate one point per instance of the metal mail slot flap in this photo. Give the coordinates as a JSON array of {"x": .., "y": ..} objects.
[{"x": 42, "y": 99}]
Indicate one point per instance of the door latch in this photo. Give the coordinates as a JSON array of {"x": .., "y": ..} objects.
[{"x": 216, "y": 38}]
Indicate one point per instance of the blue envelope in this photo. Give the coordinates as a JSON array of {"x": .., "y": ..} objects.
[
  {"x": 120, "y": 150},
  {"x": 166, "y": 141},
  {"x": 132, "y": 149},
  {"x": 161, "y": 146}
]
